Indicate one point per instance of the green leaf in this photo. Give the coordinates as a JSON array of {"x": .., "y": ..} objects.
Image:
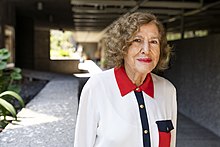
[
  {"x": 17, "y": 70},
  {"x": 8, "y": 107},
  {"x": 5, "y": 56},
  {"x": 3, "y": 51},
  {"x": 3, "y": 65},
  {"x": 16, "y": 76},
  {"x": 15, "y": 95}
]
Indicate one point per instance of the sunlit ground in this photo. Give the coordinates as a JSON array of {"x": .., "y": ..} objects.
[{"x": 30, "y": 118}]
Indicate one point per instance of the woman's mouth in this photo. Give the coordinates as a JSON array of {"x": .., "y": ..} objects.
[{"x": 146, "y": 60}]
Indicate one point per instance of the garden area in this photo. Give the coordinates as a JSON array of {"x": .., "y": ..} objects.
[{"x": 16, "y": 90}]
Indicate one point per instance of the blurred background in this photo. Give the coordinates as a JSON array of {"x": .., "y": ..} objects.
[{"x": 65, "y": 37}]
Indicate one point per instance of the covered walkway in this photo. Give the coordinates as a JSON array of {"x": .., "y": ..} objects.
[{"x": 49, "y": 119}]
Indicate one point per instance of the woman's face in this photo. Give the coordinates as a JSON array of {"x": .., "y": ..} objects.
[{"x": 144, "y": 52}]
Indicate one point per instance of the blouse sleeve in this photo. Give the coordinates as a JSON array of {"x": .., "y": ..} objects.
[
  {"x": 87, "y": 119},
  {"x": 174, "y": 119}
]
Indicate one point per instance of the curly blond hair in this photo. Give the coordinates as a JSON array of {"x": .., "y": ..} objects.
[{"x": 117, "y": 39}]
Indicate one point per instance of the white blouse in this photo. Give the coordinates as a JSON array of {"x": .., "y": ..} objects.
[{"x": 108, "y": 119}]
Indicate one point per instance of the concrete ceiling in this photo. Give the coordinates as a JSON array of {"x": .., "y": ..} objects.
[{"x": 89, "y": 19}]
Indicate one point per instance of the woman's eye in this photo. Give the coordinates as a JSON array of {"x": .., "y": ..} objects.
[
  {"x": 137, "y": 40},
  {"x": 154, "y": 41}
]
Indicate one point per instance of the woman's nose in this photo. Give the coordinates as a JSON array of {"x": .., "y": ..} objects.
[{"x": 145, "y": 47}]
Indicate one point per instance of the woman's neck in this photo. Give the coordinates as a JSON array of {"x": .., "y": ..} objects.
[{"x": 135, "y": 77}]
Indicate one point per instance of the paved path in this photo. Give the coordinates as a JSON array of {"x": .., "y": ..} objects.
[{"x": 49, "y": 119}]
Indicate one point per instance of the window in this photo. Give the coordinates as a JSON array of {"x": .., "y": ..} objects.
[
  {"x": 63, "y": 46},
  {"x": 187, "y": 34}
]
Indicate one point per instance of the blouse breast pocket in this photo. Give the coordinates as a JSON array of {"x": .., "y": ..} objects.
[{"x": 164, "y": 128}]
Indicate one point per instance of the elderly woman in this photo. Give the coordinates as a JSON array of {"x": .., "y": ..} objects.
[{"x": 128, "y": 105}]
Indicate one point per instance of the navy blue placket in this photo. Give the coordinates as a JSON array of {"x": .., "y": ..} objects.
[{"x": 144, "y": 120}]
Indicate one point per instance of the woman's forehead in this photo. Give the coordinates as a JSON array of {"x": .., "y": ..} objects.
[{"x": 149, "y": 29}]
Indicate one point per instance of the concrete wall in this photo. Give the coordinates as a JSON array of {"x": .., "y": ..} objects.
[
  {"x": 41, "y": 50},
  {"x": 196, "y": 75}
]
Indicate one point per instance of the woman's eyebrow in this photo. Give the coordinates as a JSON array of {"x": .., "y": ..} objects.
[
  {"x": 154, "y": 38},
  {"x": 137, "y": 36}
]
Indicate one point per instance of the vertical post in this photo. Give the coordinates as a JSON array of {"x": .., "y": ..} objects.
[
  {"x": 182, "y": 23},
  {"x": 1, "y": 23},
  {"x": 1, "y": 36},
  {"x": 3, "y": 5}
]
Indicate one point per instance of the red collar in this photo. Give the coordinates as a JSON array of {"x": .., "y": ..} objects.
[{"x": 125, "y": 85}]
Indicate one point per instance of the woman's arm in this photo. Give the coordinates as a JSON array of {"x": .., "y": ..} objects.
[
  {"x": 174, "y": 119},
  {"x": 87, "y": 119}
]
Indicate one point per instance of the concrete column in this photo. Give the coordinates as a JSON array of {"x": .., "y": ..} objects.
[
  {"x": 42, "y": 49},
  {"x": 24, "y": 38}
]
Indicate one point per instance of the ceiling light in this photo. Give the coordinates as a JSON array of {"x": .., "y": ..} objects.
[{"x": 39, "y": 6}]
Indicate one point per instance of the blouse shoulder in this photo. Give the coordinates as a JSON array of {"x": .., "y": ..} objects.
[
  {"x": 101, "y": 77},
  {"x": 162, "y": 81}
]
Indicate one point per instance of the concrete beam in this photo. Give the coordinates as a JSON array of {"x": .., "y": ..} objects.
[
  {"x": 106, "y": 11},
  {"x": 126, "y": 3}
]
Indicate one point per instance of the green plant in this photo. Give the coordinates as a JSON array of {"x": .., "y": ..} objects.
[
  {"x": 9, "y": 77},
  {"x": 6, "y": 107},
  {"x": 9, "y": 88}
]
